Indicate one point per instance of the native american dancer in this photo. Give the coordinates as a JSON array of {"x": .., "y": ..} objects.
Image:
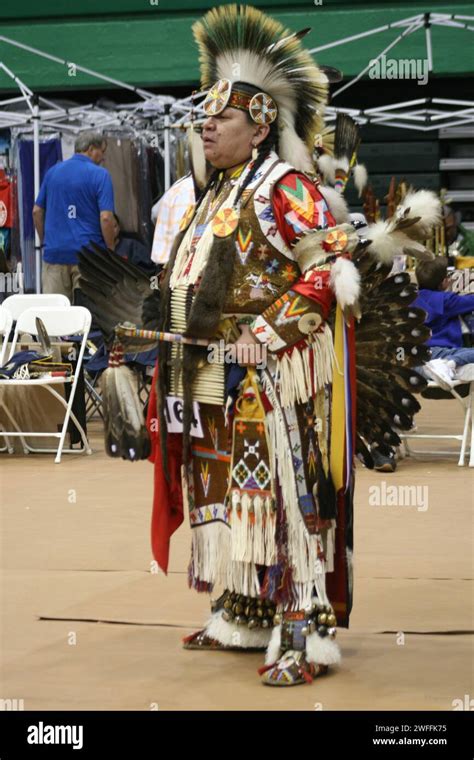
[{"x": 267, "y": 262}]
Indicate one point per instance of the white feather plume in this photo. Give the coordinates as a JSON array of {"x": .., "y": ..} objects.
[
  {"x": 326, "y": 168},
  {"x": 124, "y": 423},
  {"x": 336, "y": 203},
  {"x": 386, "y": 243},
  {"x": 424, "y": 204},
  {"x": 342, "y": 163},
  {"x": 291, "y": 147},
  {"x": 345, "y": 282},
  {"x": 360, "y": 177},
  {"x": 382, "y": 246}
]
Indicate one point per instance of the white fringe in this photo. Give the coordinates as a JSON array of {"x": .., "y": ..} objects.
[
  {"x": 212, "y": 552},
  {"x": 304, "y": 593},
  {"x": 330, "y": 547},
  {"x": 252, "y": 542},
  {"x": 320, "y": 585},
  {"x": 244, "y": 579},
  {"x": 293, "y": 372},
  {"x": 231, "y": 634},
  {"x": 212, "y": 560},
  {"x": 322, "y": 651}
]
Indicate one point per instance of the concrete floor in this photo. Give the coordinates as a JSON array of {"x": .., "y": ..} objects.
[{"x": 85, "y": 624}]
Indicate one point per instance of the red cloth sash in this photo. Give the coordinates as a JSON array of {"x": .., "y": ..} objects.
[{"x": 168, "y": 513}]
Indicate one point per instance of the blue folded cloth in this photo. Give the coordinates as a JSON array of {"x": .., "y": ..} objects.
[
  {"x": 100, "y": 359},
  {"x": 17, "y": 361}
]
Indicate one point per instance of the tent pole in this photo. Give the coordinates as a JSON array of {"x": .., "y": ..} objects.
[
  {"x": 429, "y": 49},
  {"x": 36, "y": 169}
]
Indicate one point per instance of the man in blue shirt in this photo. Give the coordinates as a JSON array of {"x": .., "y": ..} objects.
[{"x": 75, "y": 205}]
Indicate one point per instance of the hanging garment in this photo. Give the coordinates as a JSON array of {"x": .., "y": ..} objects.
[
  {"x": 170, "y": 211},
  {"x": 144, "y": 194},
  {"x": 157, "y": 174},
  {"x": 50, "y": 154},
  {"x": 121, "y": 161},
  {"x": 67, "y": 145}
]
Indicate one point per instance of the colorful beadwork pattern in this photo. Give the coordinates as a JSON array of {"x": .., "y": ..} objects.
[
  {"x": 263, "y": 109},
  {"x": 217, "y": 97},
  {"x": 243, "y": 244},
  {"x": 225, "y": 222}
]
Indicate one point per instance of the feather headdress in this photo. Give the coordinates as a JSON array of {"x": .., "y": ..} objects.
[{"x": 241, "y": 44}]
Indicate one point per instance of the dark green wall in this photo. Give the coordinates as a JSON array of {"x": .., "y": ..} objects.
[{"x": 152, "y": 45}]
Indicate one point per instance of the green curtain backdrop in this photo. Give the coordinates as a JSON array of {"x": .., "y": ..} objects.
[{"x": 149, "y": 42}]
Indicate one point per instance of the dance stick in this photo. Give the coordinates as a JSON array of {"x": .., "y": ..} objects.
[{"x": 133, "y": 332}]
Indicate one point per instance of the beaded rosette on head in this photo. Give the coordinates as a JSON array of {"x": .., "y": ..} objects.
[{"x": 250, "y": 61}]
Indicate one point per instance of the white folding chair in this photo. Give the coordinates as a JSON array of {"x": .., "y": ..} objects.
[
  {"x": 58, "y": 321},
  {"x": 466, "y": 378},
  {"x": 19, "y": 302},
  {"x": 6, "y": 323}
]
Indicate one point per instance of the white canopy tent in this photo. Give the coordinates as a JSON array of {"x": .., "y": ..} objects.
[{"x": 159, "y": 113}]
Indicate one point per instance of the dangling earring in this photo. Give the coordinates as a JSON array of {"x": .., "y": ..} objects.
[{"x": 254, "y": 152}]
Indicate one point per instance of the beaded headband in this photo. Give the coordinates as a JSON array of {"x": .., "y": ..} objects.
[{"x": 262, "y": 107}]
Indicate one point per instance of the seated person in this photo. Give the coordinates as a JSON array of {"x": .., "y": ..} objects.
[{"x": 443, "y": 310}]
